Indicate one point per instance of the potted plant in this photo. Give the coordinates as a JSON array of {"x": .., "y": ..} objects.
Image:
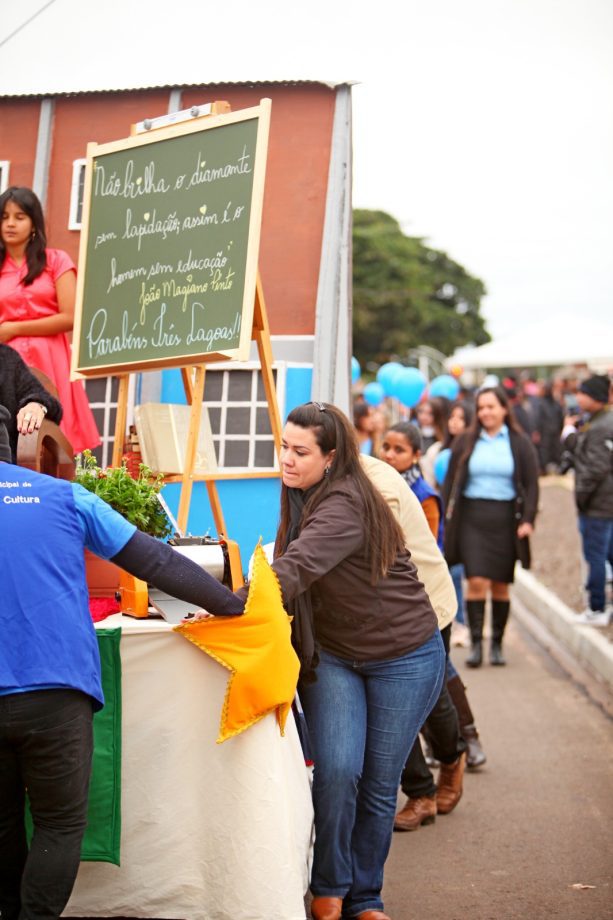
[{"x": 136, "y": 498}]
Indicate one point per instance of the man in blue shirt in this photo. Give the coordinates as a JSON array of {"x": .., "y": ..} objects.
[{"x": 50, "y": 682}]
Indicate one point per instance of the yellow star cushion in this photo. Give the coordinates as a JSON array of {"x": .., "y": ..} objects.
[{"x": 256, "y": 648}]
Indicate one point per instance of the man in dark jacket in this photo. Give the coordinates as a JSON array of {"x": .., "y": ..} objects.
[{"x": 591, "y": 444}]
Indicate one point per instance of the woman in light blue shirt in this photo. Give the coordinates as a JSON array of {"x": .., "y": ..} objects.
[{"x": 491, "y": 496}]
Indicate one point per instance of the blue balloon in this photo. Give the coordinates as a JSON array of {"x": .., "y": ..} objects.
[
  {"x": 408, "y": 386},
  {"x": 373, "y": 394},
  {"x": 356, "y": 370},
  {"x": 387, "y": 374},
  {"x": 441, "y": 465},
  {"x": 445, "y": 385}
]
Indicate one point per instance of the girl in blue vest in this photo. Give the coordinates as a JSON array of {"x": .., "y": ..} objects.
[{"x": 402, "y": 446}]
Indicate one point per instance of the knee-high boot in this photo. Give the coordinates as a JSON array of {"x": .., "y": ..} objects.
[
  {"x": 500, "y": 615},
  {"x": 476, "y": 616},
  {"x": 475, "y": 755}
]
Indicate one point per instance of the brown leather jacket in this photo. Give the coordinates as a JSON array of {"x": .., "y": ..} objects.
[{"x": 354, "y": 619}]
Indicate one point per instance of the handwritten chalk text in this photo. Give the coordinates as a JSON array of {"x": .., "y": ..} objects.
[
  {"x": 210, "y": 337},
  {"x": 202, "y": 174},
  {"x": 118, "y": 278},
  {"x": 100, "y": 345},
  {"x": 128, "y": 186}
]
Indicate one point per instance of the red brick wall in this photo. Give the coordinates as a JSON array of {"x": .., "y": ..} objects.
[{"x": 18, "y": 135}]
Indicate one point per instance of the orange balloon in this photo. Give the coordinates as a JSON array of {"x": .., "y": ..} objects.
[{"x": 456, "y": 370}]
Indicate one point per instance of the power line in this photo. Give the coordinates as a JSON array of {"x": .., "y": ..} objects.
[{"x": 26, "y": 23}]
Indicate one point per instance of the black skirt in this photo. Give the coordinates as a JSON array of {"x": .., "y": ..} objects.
[{"x": 487, "y": 542}]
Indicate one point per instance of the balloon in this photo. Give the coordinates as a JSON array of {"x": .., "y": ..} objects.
[
  {"x": 373, "y": 394},
  {"x": 456, "y": 370},
  {"x": 445, "y": 385},
  {"x": 441, "y": 465},
  {"x": 408, "y": 386},
  {"x": 490, "y": 380},
  {"x": 386, "y": 375},
  {"x": 356, "y": 370}
]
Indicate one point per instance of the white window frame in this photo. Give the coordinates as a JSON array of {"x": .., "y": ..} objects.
[
  {"x": 253, "y": 404},
  {"x": 107, "y": 435},
  {"x": 108, "y": 404},
  {"x": 5, "y": 168},
  {"x": 78, "y": 169}
]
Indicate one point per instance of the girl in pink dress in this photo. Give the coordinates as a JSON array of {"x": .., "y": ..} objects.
[{"x": 37, "y": 298}]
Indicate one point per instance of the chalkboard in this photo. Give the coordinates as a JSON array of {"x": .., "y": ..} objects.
[{"x": 168, "y": 257}]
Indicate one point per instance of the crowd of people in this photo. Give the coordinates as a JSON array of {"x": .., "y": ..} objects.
[
  {"x": 568, "y": 421},
  {"x": 481, "y": 505}
]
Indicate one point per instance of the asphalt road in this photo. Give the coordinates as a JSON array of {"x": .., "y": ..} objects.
[{"x": 535, "y": 821}]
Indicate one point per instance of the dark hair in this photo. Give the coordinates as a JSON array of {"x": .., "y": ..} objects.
[
  {"x": 411, "y": 433},
  {"x": 468, "y": 414},
  {"x": 548, "y": 390},
  {"x": 440, "y": 414},
  {"x": 383, "y": 538},
  {"x": 360, "y": 410},
  {"x": 36, "y": 257},
  {"x": 476, "y": 427}
]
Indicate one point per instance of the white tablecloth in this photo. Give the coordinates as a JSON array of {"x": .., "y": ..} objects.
[{"x": 209, "y": 831}]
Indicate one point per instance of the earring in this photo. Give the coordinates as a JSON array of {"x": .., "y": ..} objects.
[
  {"x": 33, "y": 234},
  {"x": 326, "y": 470}
]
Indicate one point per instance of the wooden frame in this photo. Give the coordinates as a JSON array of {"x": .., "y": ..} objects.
[{"x": 47, "y": 450}]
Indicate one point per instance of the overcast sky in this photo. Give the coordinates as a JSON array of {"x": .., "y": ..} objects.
[{"x": 485, "y": 126}]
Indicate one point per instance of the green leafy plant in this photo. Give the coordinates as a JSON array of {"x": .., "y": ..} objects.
[{"x": 136, "y": 499}]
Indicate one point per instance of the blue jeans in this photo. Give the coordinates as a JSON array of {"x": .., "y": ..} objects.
[
  {"x": 596, "y": 534},
  {"x": 457, "y": 574},
  {"x": 363, "y": 717}
]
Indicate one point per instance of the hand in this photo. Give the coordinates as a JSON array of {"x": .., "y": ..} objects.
[
  {"x": 197, "y": 616},
  {"x": 8, "y": 331},
  {"x": 30, "y": 418},
  {"x": 525, "y": 530},
  {"x": 571, "y": 420}
]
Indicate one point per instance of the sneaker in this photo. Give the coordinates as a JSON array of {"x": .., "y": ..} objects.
[
  {"x": 594, "y": 617},
  {"x": 460, "y": 635}
]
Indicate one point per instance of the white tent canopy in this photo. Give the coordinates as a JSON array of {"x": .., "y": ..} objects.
[{"x": 569, "y": 340}]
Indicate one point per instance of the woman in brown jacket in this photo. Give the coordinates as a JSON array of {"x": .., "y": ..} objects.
[
  {"x": 491, "y": 495},
  {"x": 371, "y": 653}
]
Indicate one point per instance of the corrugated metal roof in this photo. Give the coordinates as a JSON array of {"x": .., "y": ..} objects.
[
  {"x": 46, "y": 93},
  {"x": 63, "y": 47}
]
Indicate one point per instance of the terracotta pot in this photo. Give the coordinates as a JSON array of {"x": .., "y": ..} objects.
[{"x": 102, "y": 576}]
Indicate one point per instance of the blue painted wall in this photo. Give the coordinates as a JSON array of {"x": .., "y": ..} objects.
[{"x": 250, "y": 506}]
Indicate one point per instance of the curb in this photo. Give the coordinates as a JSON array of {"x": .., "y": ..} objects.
[{"x": 586, "y": 644}]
